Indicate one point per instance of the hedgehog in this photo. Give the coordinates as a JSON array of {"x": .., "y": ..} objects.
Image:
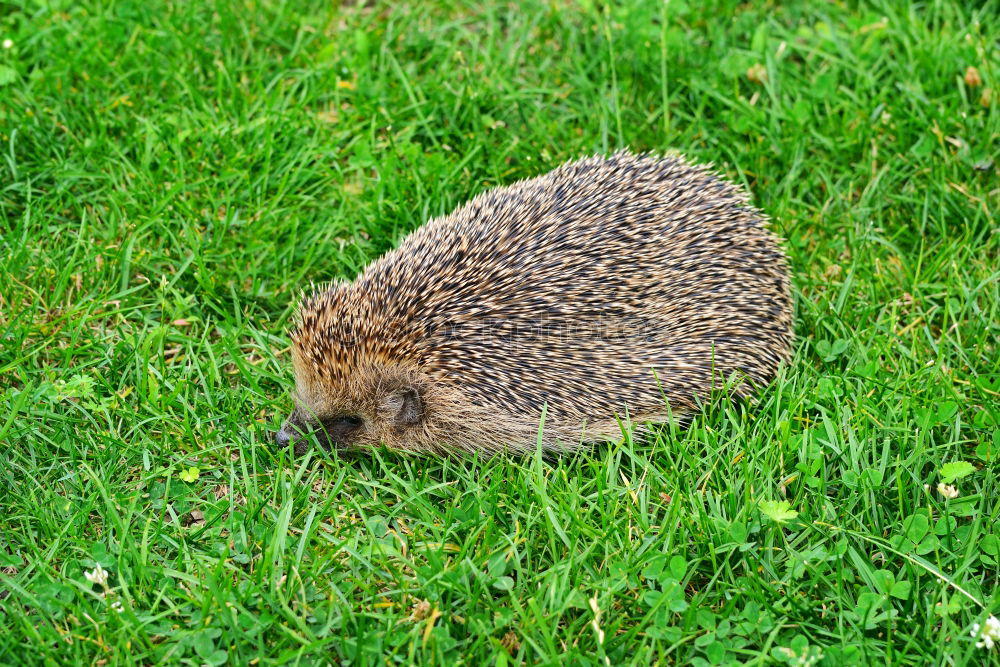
[{"x": 552, "y": 312}]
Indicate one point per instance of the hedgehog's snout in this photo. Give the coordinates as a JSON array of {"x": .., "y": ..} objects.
[
  {"x": 295, "y": 431},
  {"x": 292, "y": 434},
  {"x": 337, "y": 432},
  {"x": 283, "y": 437}
]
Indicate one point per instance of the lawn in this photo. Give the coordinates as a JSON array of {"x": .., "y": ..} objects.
[{"x": 173, "y": 173}]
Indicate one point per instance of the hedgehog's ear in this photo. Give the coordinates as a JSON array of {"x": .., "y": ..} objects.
[{"x": 404, "y": 406}]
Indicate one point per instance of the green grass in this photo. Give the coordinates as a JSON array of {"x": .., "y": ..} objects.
[{"x": 172, "y": 173}]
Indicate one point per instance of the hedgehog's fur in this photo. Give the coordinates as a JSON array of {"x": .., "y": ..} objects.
[{"x": 628, "y": 285}]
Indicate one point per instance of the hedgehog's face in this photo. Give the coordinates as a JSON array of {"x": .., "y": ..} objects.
[{"x": 372, "y": 407}]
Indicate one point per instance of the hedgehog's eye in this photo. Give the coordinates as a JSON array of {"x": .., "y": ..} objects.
[{"x": 348, "y": 421}]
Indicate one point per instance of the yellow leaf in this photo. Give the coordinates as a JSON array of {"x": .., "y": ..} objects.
[{"x": 430, "y": 623}]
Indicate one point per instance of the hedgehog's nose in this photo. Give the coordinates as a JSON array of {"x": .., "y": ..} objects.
[{"x": 284, "y": 437}]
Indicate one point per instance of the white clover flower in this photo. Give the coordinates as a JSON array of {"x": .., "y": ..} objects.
[
  {"x": 7, "y": 43},
  {"x": 97, "y": 576},
  {"x": 117, "y": 606},
  {"x": 989, "y": 635},
  {"x": 947, "y": 490}
]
